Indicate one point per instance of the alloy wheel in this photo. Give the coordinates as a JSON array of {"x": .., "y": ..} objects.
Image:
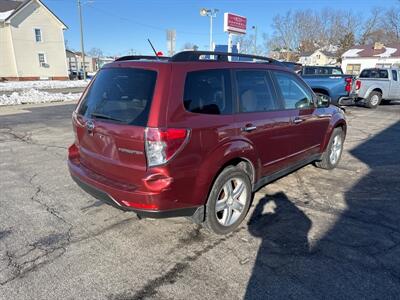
[
  {"x": 336, "y": 149},
  {"x": 231, "y": 201}
]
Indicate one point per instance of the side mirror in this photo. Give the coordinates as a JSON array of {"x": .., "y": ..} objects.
[{"x": 323, "y": 100}]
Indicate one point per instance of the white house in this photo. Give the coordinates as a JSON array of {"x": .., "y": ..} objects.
[
  {"x": 358, "y": 58},
  {"x": 318, "y": 58},
  {"x": 31, "y": 42}
]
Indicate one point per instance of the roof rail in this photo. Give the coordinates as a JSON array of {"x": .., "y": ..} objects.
[
  {"x": 139, "y": 57},
  {"x": 218, "y": 56}
]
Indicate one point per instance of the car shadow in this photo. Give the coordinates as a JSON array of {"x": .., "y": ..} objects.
[{"x": 356, "y": 256}]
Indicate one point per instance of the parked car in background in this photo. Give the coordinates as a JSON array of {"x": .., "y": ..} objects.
[
  {"x": 330, "y": 81},
  {"x": 230, "y": 128},
  {"x": 378, "y": 84},
  {"x": 74, "y": 75}
]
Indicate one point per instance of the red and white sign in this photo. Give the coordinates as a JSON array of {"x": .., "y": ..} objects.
[{"x": 234, "y": 23}]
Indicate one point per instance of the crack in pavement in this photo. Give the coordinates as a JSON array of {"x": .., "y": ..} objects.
[
  {"x": 49, "y": 248},
  {"x": 25, "y": 137},
  {"x": 175, "y": 272}
]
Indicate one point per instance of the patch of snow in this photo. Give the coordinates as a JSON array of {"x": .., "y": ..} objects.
[
  {"x": 388, "y": 52},
  {"x": 48, "y": 84},
  {"x": 352, "y": 53},
  {"x": 5, "y": 14},
  {"x": 35, "y": 96}
]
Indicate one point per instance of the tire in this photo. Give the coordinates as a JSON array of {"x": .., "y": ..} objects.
[
  {"x": 327, "y": 162},
  {"x": 232, "y": 208},
  {"x": 373, "y": 100}
]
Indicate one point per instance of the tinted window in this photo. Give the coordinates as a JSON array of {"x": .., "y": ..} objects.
[
  {"x": 254, "y": 90},
  {"x": 337, "y": 71},
  {"x": 383, "y": 74},
  {"x": 208, "y": 92},
  {"x": 120, "y": 95},
  {"x": 374, "y": 73},
  {"x": 294, "y": 94},
  {"x": 322, "y": 71},
  {"x": 394, "y": 75}
]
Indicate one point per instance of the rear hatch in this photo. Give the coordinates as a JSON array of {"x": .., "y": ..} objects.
[{"x": 110, "y": 122}]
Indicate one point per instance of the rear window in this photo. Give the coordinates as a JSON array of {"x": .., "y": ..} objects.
[
  {"x": 374, "y": 73},
  {"x": 208, "y": 92},
  {"x": 120, "y": 95},
  {"x": 322, "y": 71}
]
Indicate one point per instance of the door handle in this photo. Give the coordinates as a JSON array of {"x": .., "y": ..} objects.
[
  {"x": 249, "y": 128},
  {"x": 324, "y": 116},
  {"x": 297, "y": 120}
]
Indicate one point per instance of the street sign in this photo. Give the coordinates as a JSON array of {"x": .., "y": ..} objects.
[{"x": 234, "y": 23}]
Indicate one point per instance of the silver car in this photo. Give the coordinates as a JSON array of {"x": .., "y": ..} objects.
[{"x": 379, "y": 85}]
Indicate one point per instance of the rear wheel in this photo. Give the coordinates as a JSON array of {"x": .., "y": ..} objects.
[
  {"x": 373, "y": 100},
  {"x": 229, "y": 201},
  {"x": 331, "y": 157}
]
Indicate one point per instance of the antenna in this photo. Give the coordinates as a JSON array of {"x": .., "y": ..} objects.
[{"x": 152, "y": 47}]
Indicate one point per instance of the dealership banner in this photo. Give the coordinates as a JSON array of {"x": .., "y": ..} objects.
[{"x": 234, "y": 23}]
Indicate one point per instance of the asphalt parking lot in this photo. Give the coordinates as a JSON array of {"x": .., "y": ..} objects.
[{"x": 312, "y": 234}]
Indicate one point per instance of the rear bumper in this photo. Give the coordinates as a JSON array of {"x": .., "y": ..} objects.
[
  {"x": 348, "y": 100},
  {"x": 97, "y": 187}
]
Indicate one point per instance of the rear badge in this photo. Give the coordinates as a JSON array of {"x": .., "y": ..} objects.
[
  {"x": 130, "y": 151},
  {"x": 89, "y": 126}
]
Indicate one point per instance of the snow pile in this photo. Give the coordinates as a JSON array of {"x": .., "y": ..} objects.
[
  {"x": 41, "y": 85},
  {"x": 388, "y": 52},
  {"x": 35, "y": 96},
  {"x": 5, "y": 14},
  {"x": 352, "y": 53}
]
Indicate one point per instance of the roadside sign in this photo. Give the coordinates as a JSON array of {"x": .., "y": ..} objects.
[{"x": 234, "y": 23}]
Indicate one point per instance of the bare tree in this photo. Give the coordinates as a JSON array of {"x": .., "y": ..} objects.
[
  {"x": 95, "y": 52},
  {"x": 371, "y": 27},
  {"x": 391, "y": 25},
  {"x": 285, "y": 32}
]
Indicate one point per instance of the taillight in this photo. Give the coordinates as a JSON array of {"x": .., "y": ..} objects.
[
  {"x": 349, "y": 81},
  {"x": 163, "y": 144},
  {"x": 73, "y": 152},
  {"x": 358, "y": 84}
]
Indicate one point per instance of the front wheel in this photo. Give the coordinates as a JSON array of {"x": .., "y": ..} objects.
[
  {"x": 331, "y": 157},
  {"x": 229, "y": 200}
]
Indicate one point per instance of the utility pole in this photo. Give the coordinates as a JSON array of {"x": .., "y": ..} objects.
[{"x": 82, "y": 47}]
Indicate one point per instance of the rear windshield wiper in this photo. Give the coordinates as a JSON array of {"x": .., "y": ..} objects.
[{"x": 106, "y": 117}]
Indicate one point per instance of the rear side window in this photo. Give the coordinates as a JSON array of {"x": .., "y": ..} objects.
[
  {"x": 337, "y": 71},
  {"x": 120, "y": 95},
  {"x": 208, "y": 92},
  {"x": 294, "y": 93},
  {"x": 383, "y": 74},
  {"x": 255, "y": 92}
]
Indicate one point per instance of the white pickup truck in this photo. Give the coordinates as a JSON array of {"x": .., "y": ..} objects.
[{"x": 379, "y": 85}]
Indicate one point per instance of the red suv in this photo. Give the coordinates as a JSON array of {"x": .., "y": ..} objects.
[{"x": 197, "y": 134}]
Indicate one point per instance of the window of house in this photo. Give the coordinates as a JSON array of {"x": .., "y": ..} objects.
[
  {"x": 294, "y": 93},
  {"x": 255, "y": 91},
  {"x": 38, "y": 35},
  {"x": 42, "y": 59},
  {"x": 353, "y": 69},
  {"x": 208, "y": 92}
]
